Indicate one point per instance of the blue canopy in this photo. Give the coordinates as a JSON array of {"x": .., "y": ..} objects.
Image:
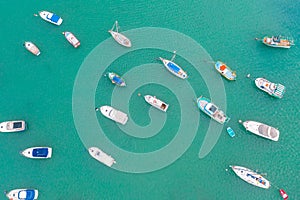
[
  {"x": 40, "y": 152},
  {"x": 29, "y": 194},
  {"x": 173, "y": 67},
  {"x": 117, "y": 80}
]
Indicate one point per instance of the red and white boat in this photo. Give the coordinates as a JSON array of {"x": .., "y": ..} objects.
[
  {"x": 152, "y": 100},
  {"x": 72, "y": 39},
  {"x": 283, "y": 194},
  {"x": 32, "y": 48}
]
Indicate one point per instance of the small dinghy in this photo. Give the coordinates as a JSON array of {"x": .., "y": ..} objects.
[
  {"x": 262, "y": 130},
  {"x": 22, "y": 194},
  {"x": 283, "y": 194},
  {"x": 71, "y": 39},
  {"x": 113, "y": 114},
  {"x": 32, "y": 48},
  {"x": 12, "y": 126},
  {"x": 51, "y": 17},
  {"x": 274, "y": 89},
  {"x": 116, "y": 79},
  {"x": 225, "y": 71},
  {"x": 102, "y": 157},
  {"x": 120, "y": 38},
  {"x": 152, "y": 100},
  {"x": 37, "y": 152},
  {"x": 173, "y": 67},
  {"x": 230, "y": 132},
  {"x": 251, "y": 177}
]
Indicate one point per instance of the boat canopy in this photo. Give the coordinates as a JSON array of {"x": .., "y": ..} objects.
[
  {"x": 17, "y": 125},
  {"x": 264, "y": 130},
  {"x": 173, "y": 67},
  {"x": 117, "y": 80},
  {"x": 211, "y": 108},
  {"x": 40, "y": 152},
  {"x": 26, "y": 194},
  {"x": 53, "y": 17}
]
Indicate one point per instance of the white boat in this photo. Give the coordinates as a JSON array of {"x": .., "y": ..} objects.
[
  {"x": 51, "y": 17},
  {"x": 113, "y": 114},
  {"x": 262, "y": 130},
  {"x": 152, "y": 100},
  {"x": 22, "y": 194},
  {"x": 173, "y": 67},
  {"x": 273, "y": 89},
  {"x": 71, "y": 39},
  {"x": 102, "y": 157},
  {"x": 12, "y": 126},
  {"x": 37, "y": 152},
  {"x": 278, "y": 41},
  {"x": 120, "y": 38},
  {"x": 251, "y": 177},
  {"x": 32, "y": 48}
]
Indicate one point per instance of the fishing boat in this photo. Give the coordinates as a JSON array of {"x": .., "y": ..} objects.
[
  {"x": 120, "y": 38},
  {"x": 278, "y": 41},
  {"x": 274, "y": 89},
  {"x": 32, "y": 48},
  {"x": 262, "y": 130},
  {"x": 173, "y": 67},
  {"x": 102, "y": 157},
  {"x": 37, "y": 152},
  {"x": 152, "y": 100},
  {"x": 251, "y": 177},
  {"x": 51, "y": 17},
  {"x": 22, "y": 194},
  {"x": 113, "y": 114},
  {"x": 283, "y": 194},
  {"x": 116, "y": 79},
  {"x": 71, "y": 39},
  {"x": 230, "y": 132},
  {"x": 225, "y": 71},
  {"x": 12, "y": 126},
  {"x": 206, "y": 106}
]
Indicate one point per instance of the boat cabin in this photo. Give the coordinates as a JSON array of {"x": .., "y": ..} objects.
[{"x": 211, "y": 108}]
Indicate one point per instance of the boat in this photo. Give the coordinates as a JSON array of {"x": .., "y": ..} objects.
[
  {"x": 206, "y": 106},
  {"x": 51, "y": 17},
  {"x": 116, "y": 79},
  {"x": 283, "y": 194},
  {"x": 225, "y": 71},
  {"x": 113, "y": 114},
  {"x": 120, "y": 38},
  {"x": 251, "y": 177},
  {"x": 278, "y": 41},
  {"x": 102, "y": 157},
  {"x": 72, "y": 39},
  {"x": 22, "y": 194},
  {"x": 12, "y": 126},
  {"x": 274, "y": 89},
  {"x": 32, "y": 48},
  {"x": 173, "y": 67},
  {"x": 37, "y": 152},
  {"x": 230, "y": 132},
  {"x": 152, "y": 100},
  {"x": 262, "y": 130}
]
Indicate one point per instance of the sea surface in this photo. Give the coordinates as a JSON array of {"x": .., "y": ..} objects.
[{"x": 180, "y": 154}]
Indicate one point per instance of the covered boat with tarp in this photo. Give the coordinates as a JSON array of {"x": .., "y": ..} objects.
[
  {"x": 116, "y": 79},
  {"x": 37, "y": 152}
]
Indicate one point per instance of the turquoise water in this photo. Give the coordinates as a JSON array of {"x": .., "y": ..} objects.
[{"x": 41, "y": 91}]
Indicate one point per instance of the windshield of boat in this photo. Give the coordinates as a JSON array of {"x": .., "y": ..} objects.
[{"x": 17, "y": 125}]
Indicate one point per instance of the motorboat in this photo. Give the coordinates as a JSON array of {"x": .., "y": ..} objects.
[
  {"x": 13, "y": 126},
  {"x": 102, "y": 157},
  {"x": 113, "y": 114},
  {"x": 120, "y": 38},
  {"x": 278, "y": 41},
  {"x": 283, "y": 194},
  {"x": 209, "y": 108},
  {"x": 225, "y": 71},
  {"x": 173, "y": 67},
  {"x": 32, "y": 48},
  {"x": 152, "y": 100},
  {"x": 251, "y": 177},
  {"x": 22, "y": 194},
  {"x": 274, "y": 89},
  {"x": 37, "y": 152},
  {"x": 262, "y": 130},
  {"x": 71, "y": 39},
  {"x": 51, "y": 17},
  {"x": 116, "y": 79}
]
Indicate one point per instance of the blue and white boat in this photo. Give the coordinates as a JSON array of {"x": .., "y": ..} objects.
[
  {"x": 225, "y": 71},
  {"x": 173, "y": 67},
  {"x": 206, "y": 106},
  {"x": 230, "y": 132},
  {"x": 116, "y": 79},
  {"x": 37, "y": 152},
  {"x": 22, "y": 194},
  {"x": 51, "y": 17}
]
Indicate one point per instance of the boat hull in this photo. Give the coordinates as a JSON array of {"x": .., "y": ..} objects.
[
  {"x": 51, "y": 17},
  {"x": 32, "y": 48},
  {"x": 114, "y": 114},
  {"x": 102, "y": 157},
  {"x": 20, "y": 194},
  {"x": 251, "y": 177},
  {"x": 274, "y": 89},
  {"x": 156, "y": 103},
  {"x": 262, "y": 130},
  {"x": 174, "y": 68},
  {"x": 72, "y": 39},
  {"x": 225, "y": 71},
  {"x": 13, "y": 126},
  {"x": 37, "y": 152},
  {"x": 120, "y": 38}
]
